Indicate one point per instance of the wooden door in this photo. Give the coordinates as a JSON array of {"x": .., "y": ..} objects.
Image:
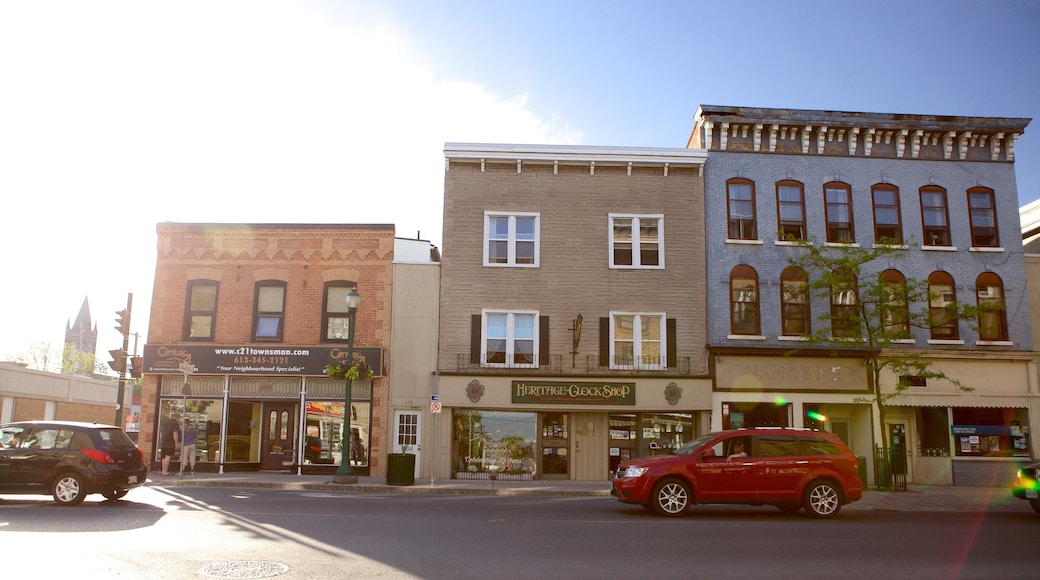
[{"x": 278, "y": 436}]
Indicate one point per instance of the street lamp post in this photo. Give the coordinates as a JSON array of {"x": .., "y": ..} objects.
[{"x": 345, "y": 474}]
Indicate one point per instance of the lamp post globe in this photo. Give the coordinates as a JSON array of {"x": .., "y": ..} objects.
[{"x": 345, "y": 474}]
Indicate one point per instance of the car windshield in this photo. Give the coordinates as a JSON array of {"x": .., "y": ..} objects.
[
  {"x": 115, "y": 438},
  {"x": 694, "y": 445}
]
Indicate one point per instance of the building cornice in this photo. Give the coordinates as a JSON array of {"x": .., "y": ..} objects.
[{"x": 555, "y": 155}]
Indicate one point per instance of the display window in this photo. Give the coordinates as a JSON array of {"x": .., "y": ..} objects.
[
  {"x": 205, "y": 415},
  {"x": 494, "y": 443},
  {"x": 990, "y": 433},
  {"x": 324, "y": 441}
]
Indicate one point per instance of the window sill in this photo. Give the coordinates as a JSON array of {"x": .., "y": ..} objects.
[
  {"x": 985, "y": 249},
  {"x": 994, "y": 343},
  {"x": 940, "y": 248},
  {"x": 904, "y": 341},
  {"x": 841, "y": 245},
  {"x": 787, "y": 243},
  {"x": 497, "y": 265},
  {"x": 748, "y": 242},
  {"x": 893, "y": 246},
  {"x": 794, "y": 338},
  {"x": 745, "y": 337},
  {"x": 945, "y": 341},
  {"x": 631, "y": 267}
]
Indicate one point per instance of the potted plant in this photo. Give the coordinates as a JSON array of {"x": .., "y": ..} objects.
[{"x": 354, "y": 372}]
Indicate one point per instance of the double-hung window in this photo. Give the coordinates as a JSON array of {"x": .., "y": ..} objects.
[
  {"x": 894, "y": 307},
  {"x": 982, "y": 214},
  {"x": 790, "y": 207},
  {"x": 794, "y": 302},
  {"x": 935, "y": 217},
  {"x": 636, "y": 241},
  {"x": 942, "y": 306},
  {"x": 511, "y": 239},
  {"x": 637, "y": 341},
  {"x": 741, "y": 209},
  {"x": 201, "y": 311},
  {"x": 743, "y": 301},
  {"x": 336, "y": 313},
  {"x": 510, "y": 338},
  {"x": 838, "y": 207},
  {"x": 887, "y": 225},
  {"x": 269, "y": 311},
  {"x": 989, "y": 291},
  {"x": 845, "y": 320}
]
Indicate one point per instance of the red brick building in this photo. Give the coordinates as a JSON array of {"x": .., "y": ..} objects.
[{"x": 244, "y": 318}]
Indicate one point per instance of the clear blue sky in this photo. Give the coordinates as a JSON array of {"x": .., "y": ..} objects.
[{"x": 119, "y": 114}]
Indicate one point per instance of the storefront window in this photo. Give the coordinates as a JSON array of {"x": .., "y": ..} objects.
[
  {"x": 663, "y": 432},
  {"x": 990, "y": 432},
  {"x": 324, "y": 429},
  {"x": 205, "y": 415},
  {"x": 499, "y": 442},
  {"x": 934, "y": 431}
]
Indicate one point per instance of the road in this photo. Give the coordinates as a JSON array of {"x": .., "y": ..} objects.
[{"x": 168, "y": 533}]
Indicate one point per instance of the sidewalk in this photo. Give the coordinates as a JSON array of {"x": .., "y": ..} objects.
[{"x": 915, "y": 498}]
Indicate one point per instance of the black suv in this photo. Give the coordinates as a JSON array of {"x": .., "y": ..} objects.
[{"x": 68, "y": 460}]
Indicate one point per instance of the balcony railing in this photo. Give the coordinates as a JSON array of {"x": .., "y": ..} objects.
[{"x": 590, "y": 364}]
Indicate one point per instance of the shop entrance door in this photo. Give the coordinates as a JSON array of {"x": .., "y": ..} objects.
[
  {"x": 277, "y": 435},
  {"x": 555, "y": 446},
  {"x": 407, "y": 435}
]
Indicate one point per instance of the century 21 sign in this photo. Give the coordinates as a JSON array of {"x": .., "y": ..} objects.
[{"x": 584, "y": 393}]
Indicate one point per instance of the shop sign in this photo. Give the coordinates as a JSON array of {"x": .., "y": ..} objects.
[
  {"x": 981, "y": 430},
  {"x": 253, "y": 359},
  {"x": 567, "y": 392}
]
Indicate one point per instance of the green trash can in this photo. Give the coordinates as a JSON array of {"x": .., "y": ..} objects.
[{"x": 400, "y": 469}]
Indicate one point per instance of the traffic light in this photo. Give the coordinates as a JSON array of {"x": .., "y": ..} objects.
[
  {"x": 136, "y": 367},
  {"x": 123, "y": 322},
  {"x": 118, "y": 362}
]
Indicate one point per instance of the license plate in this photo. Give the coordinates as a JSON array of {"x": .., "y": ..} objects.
[
  {"x": 133, "y": 479},
  {"x": 1031, "y": 493}
]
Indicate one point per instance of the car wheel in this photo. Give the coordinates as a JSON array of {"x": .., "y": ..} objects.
[
  {"x": 68, "y": 489},
  {"x": 115, "y": 493},
  {"x": 789, "y": 508},
  {"x": 822, "y": 499},
  {"x": 671, "y": 497},
  {"x": 1035, "y": 502}
]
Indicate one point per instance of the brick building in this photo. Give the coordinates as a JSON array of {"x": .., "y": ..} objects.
[
  {"x": 244, "y": 318},
  {"x": 943, "y": 188},
  {"x": 572, "y": 309}
]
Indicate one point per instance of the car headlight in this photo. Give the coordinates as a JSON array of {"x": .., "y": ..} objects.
[{"x": 634, "y": 472}]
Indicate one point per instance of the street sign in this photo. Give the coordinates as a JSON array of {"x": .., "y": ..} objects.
[{"x": 435, "y": 406}]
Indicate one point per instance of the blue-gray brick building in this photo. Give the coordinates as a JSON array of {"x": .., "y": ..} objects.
[{"x": 941, "y": 187}]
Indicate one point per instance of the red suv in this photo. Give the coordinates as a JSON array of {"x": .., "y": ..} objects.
[{"x": 786, "y": 468}]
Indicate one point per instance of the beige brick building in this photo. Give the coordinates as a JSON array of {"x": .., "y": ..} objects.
[
  {"x": 572, "y": 309},
  {"x": 244, "y": 318}
]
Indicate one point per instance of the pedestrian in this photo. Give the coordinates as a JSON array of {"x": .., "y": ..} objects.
[
  {"x": 169, "y": 441},
  {"x": 188, "y": 448},
  {"x": 357, "y": 449}
]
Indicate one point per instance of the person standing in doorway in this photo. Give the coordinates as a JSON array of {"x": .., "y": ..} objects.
[
  {"x": 188, "y": 448},
  {"x": 169, "y": 441}
]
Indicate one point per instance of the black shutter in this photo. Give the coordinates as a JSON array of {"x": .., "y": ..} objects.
[
  {"x": 544, "y": 356},
  {"x": 673, "y": 349},
  {"x": 474, "y": 339},
  {"x": 604, "y": 341}
]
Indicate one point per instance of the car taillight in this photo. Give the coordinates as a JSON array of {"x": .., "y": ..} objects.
[
  {"x": 314, "y": 448},
  {"x": 98, "y": 455},
  {"x": 141, "y": 451}
]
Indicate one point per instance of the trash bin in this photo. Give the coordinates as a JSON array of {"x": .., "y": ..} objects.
[
  {"x": 400, "y": 469},
  {"x": 861, "y": 467}
]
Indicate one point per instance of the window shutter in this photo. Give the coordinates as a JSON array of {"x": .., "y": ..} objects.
[
  {"x": 474, "y": 339},
  {"x": 673, "y": 349},
  {"x": 604, "y": 341},
  {"x": 544, "y": 358}
]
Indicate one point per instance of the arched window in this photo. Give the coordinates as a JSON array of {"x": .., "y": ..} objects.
[
  {"x": 982, "y": 213},
  {"x": 794, "y": 302},
  {"x": 935, "y": 217},
  {"x": 989, "y": 292},
  {"x": 845, "y": 320},
  {"x": 894, "y": 308},
  {"x": 741, "y": 208},
  {"x": 790, "y": 209},
  {"x": 942, "y": 306},
  {"x": 887, "y": 221},
  {"x": 743, "y": 300},
  {"x": 838, "y": 207}
]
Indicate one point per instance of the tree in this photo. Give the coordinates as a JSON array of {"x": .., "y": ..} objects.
[
  {"x": 42, "y": 356},
  {"x": 873, "y": 308}
]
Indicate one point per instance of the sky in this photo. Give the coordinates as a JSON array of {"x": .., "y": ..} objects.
[{"x": 119, "y": 115}]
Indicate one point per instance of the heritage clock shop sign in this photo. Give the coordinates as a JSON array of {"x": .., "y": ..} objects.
[{"x": 567, "y": 392}]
